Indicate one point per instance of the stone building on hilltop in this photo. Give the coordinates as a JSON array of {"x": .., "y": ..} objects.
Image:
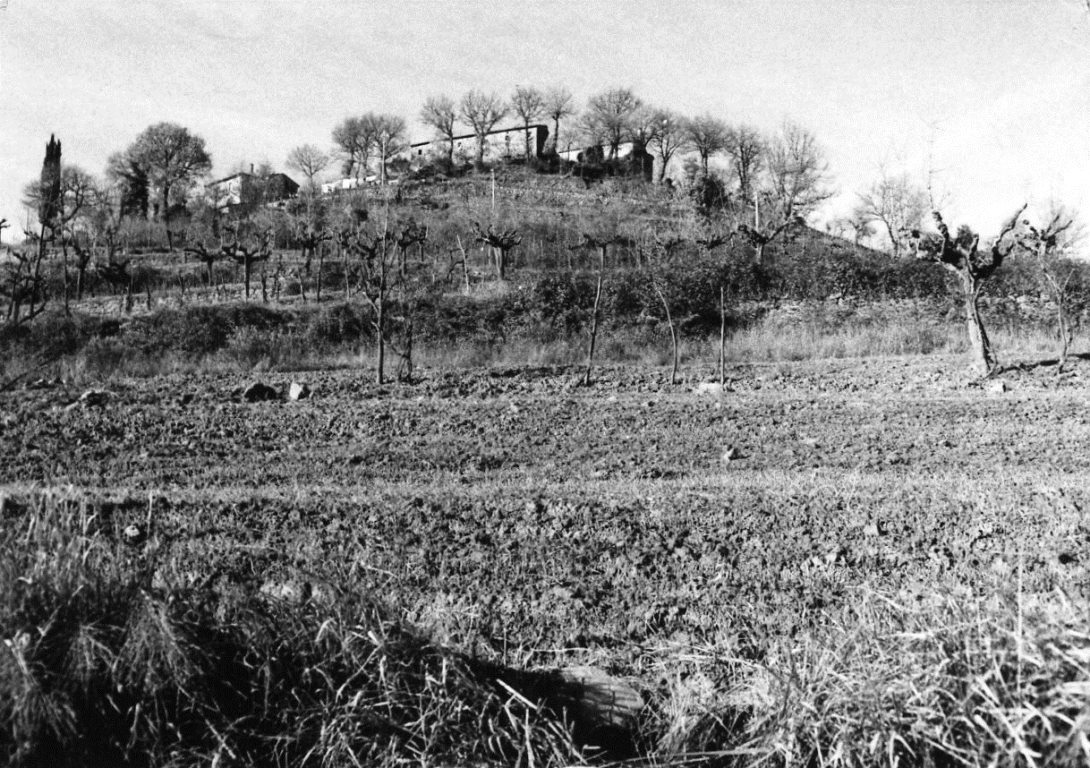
[
  {"x": 249, "y": 191},
  {"x": 504, "y": 144}
]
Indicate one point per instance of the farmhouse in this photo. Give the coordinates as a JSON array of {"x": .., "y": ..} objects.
[
  {"x": 340, "y": 185},
  {"x": 248, "y": 190},
  {"x": 502, "y": 144}
]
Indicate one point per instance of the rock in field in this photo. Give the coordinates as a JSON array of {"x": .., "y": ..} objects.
[
  {"x": 259, "y": 392},
  {"x": 607, "y": 707},
  {"x": 731, "y": 453},
  {"x": 998, "y": 387},
  {"x": 92, "y": 398},
  {"x": 133, "y": 535},
  {"x": 708, "y": 388},
  {"x": 298, "y": 391}
]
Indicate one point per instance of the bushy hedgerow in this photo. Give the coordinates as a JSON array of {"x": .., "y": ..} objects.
[{"x": 201, "y": 329}]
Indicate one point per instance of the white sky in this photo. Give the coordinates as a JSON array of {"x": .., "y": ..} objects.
[{"x": 993, "y": 95}]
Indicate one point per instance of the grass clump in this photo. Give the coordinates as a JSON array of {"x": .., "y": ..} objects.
[
  {"x": 996, "y": 681},
  {"x": 106, "y": 662}
]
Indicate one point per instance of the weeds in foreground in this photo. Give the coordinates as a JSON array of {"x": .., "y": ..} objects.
[
  {"x": 948, "y": 681},
  {"x": 106, "y": 661}
]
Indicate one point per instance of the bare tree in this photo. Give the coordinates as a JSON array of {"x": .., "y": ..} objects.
[
  {"x": 75, "y": 194},
  {"x": 798, "y": 171},
  {"x": 481, "y": 111},
  {"x": 663, "y": 250},
  {"x": 76, "y": 189},
  {"x": 798, "y": 179},
  {"x": 747, "y": 152},
  {"x": 383, "y": 284},
  {"x": 354, "y": 139},
  {"x": 1051, "y": 246},
  {"x": 529, "y": 104},
  {"x": 896, "y": 205},
  {"x": 309, "y": 161},
  {"x": 670, "y": 138},
  {"x": 440, "y": 113},
  {"x": 608, "y": 118},
  {"x": 559, "y": 104},
  {"x": 707, "y": 136},
  {"x": 22, "y": 286},
  {"x": 600, "y": 243},
  {"x": 389, "y": 133},
  {"x": 962, "y": 255}
]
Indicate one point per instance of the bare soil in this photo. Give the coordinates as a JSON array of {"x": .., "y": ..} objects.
[{"x": 508, "y": 509}]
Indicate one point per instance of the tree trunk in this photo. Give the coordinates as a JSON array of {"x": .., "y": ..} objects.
[
  {"x": 594, "y": 318},
  {"x": 321, "y": 264},
  {"x": 246, "y": 272},
  {"x": 722, "y": 338},
  {"x": 983, "y": 358},
  {"x": 1065, "y": 332},
  {"x": 380, "y": 332},
  {"x": 166, "y": 217},
  {"x": 673, "y": 333},
  {"x": 64, "y": 252}
]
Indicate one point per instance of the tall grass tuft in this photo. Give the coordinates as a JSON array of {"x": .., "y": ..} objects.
[
  {"x": 951, "y": 681},
  {"x": 105, "y": 663}
]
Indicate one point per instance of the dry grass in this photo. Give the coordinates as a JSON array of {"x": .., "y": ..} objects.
[
  {"x": 997, "y": 681},
  {"x": 106, "y": 661}
]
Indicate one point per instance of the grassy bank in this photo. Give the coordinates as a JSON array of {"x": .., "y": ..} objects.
[{"x": 466, "y": 333}]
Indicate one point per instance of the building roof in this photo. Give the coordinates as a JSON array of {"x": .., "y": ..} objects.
[{"x": 473, "y": 135}]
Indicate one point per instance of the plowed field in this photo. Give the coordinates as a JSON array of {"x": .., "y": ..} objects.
[{"x": 511, "y": 509}]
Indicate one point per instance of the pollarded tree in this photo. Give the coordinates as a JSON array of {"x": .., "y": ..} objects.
[
  {"x": 608, "y": 118},
  {"x": 529, "y": 104},
  {"x": 962, "y": 255},
  {"x": 896, "y": 205},
  {"x": 604, "y": 234},
  {"x": 501, "y": 244},
  {"x": 250, "y": 245},
  {"x": 1051, "y": 245},
  {"x": 481, "y": 111},
  {"x": 707, "y": 136},
  {"x": 440, "y": 113},
  {"x": 559, "y": 104},
  {"x": 173, "y": 158}
]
